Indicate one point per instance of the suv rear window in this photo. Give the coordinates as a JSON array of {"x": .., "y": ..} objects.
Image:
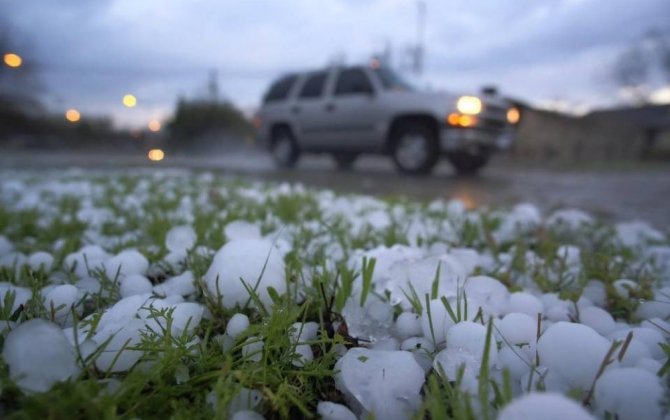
[
  {"x": 280, "y": 89},
  {"x": 352, "y": 81},
  {"x": 313, "y": 87}
]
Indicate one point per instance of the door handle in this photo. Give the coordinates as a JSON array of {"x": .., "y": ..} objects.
[
  {"x": 330, "y": 107},
  {"x": 295, "y": 109}
]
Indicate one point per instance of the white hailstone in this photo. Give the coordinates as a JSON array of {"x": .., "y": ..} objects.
[
  {"x": 410, "y": 276},
  {"x": 372, "y": 321},
  {"x": 623, "y": 287},
  {"x": 488, "y": 292},
  {"x": 650, "y": 365},
  {"x": 304, "y": 353},
  {"x": 14, "y": 260},
  {"x": 422, "y": 349},
  {"x": 186, "y": 316},
  {"x": 407, "y": 325},
  {"x": 5, "y": 245},
  {"x": 134, "y": 284},
  {"x": 471, "y": 337},
  {"x": 569, "y": 219},
  {"x": 659, "y": 307},
  {"x": 237, "y": 324},
  {"x": 595, "y": 292},
  {"x": 650, "y": 337},
  {"x": 87, "y": 258},
  {"x": 21, "y": 294},
  {"x": 246, "y": 415},
  {"x": 657, "y": 324},
  {"x": 525, "y": 303},
  {"x": 637, "y": 233},
  {"x": 557, "y": 309},
  {"x": 175, "y": 259},
  {"x": 302, "y": 332},
  {"x": 469, "y": 258},
  {"x": 39, "y": 355},
  {"x": 629, "y": 394},
  {"x": 386, "y": 384},
  {"x": 598, "y": 319},
  {"x": 240, "y": 229},
  {"x": 573, "y": 351},
  {"x": 253, "y": 349},
  {"x": 450, "y": 360},
  {"x": 255, "y": 262},
  {"x": 117, "y": 355},
  {"x": 60, "y": 300},
  {"x": 180, "y": 238},
  {"x": 123, "y": 311},
  {"x": 386, "y": 343},
  {"x": 545, "y": 406},
  {"x": 40, "y": 261},
  {"x": 516, "y": 360},
  {"x": 125, "y": 263},
  {"x": 333, "y": 411},
  {"x": 540, "y": 377},
  {"x": 436, "y": 324},
  {"x": 89, "y": 285},
  {"x": 517, "y": 328},
  {"x": 182, "y": 285}
]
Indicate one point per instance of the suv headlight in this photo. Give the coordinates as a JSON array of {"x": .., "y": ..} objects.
[{"x": 470, "y": 105}]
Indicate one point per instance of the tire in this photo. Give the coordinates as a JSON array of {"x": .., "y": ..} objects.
[
  {"x": 468, "y": 163},
  {"x": 284, "y": 148},
  {"x": 414, "y": 148},
  {"x": 344, "y": 161}
]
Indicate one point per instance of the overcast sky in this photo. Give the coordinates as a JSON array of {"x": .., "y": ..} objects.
[{"x": 93, "y": 52}]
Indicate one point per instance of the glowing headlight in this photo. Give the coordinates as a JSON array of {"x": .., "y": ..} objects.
[
  {"x": 470, "y": 105},
  {"x": 513, "y": 115}
]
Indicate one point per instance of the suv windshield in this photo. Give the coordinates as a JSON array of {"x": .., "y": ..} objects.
[{"x": 392, "y": 80}]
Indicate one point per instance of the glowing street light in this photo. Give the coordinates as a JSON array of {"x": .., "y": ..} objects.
[
  {"x": 72, "y": 115},
  {"x": 154, "y": 125},
  {"x": 13, "y": 60},
  {"x": 156, "y": 155},
  {"x": 129, "y": 100}
]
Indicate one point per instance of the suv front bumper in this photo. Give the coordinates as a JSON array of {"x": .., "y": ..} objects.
[{"x": 455, "y": 139}]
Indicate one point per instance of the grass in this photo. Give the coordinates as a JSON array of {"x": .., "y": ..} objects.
[{"x": 195, "y": 375}]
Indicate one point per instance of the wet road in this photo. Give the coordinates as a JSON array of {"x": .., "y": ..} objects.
[{"x": 631, "y": 192}]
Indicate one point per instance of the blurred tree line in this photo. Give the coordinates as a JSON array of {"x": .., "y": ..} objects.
[{"x": 200, "y": 123}]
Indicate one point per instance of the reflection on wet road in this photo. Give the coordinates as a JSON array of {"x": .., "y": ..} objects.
[{"x": 631, "y": 193}]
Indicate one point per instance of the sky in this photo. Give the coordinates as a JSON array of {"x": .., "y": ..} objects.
[{"x": 552, "y": 53}]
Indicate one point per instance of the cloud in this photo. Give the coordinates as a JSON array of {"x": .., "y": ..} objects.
[{"x": 93, "y": 52}]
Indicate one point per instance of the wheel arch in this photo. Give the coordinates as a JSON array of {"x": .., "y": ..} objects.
[{"x": 411, "y": 118}]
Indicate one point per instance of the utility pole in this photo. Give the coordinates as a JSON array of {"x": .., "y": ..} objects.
[
  {"x": 213, "y": 85},
  {"x": 418, "y": 53}
]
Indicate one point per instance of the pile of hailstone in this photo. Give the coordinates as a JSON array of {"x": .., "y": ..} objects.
[{"x": 575, "y": 326}]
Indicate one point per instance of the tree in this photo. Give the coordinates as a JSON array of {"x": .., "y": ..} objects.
[{"x": 643, "y": 66}]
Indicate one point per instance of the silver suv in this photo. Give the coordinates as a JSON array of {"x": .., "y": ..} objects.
[{"x": 349, "y": 111}]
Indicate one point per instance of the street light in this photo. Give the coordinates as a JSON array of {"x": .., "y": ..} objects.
[
  {"x": 154, "y": 126},
  {"x": 129, "y": 100},
  {"x": 13, "y": 60},
  {"x": 72, "y": 115}
]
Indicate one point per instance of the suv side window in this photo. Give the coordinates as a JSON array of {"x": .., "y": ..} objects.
[
  {"x": 280, "y": 89},
  {"x": 313, "y": 87},
  {"x": 352, "y": 81}
]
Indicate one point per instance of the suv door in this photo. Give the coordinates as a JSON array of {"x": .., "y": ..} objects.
[
  {"x": 308, "y": 110},
  {"x": 353, "y": 111}
]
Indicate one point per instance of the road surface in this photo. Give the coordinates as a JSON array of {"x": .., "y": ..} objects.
[{"x": 633, "y": 192}]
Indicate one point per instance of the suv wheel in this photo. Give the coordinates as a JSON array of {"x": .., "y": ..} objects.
[
  {"x": 344, "y": 161},
  {"x": 414, "y": 148},
  {"x": 467, "y": 163},
  {"x": 284, "y": 148}
]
